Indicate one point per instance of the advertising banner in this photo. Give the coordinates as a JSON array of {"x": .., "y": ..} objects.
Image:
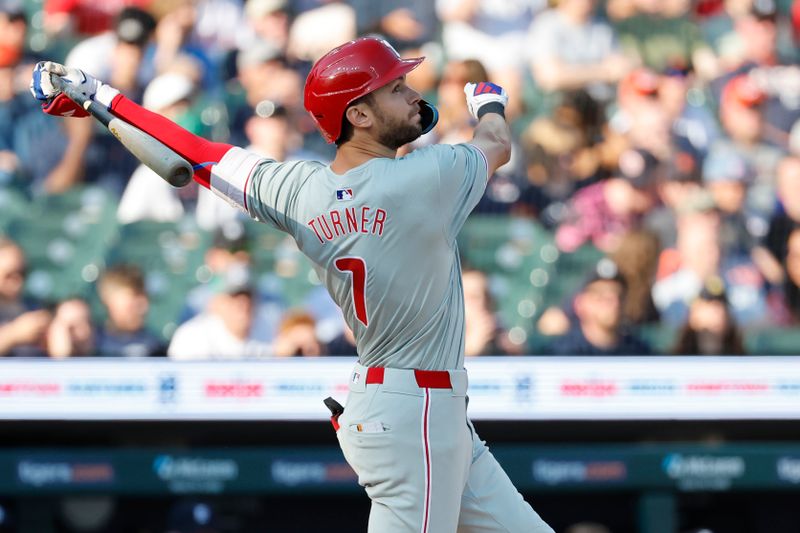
[
  {"x": 321, "y": 470},
  {"x": 500, "y": 388}
]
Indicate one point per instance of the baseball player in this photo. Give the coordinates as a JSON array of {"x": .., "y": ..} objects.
[{"x": 381, "y": 232}]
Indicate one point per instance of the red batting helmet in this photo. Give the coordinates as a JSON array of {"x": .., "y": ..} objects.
[{"x": 347, "y": 73}]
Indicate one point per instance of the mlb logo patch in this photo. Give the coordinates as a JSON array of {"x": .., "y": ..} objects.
[
  {"x": 344, "y": 194},
  {"x": 356, "y": 377}
]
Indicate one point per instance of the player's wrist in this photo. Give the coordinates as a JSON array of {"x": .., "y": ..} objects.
[
  {"x": 105, "y": 94},
  {"x": 491, "y": 107}
]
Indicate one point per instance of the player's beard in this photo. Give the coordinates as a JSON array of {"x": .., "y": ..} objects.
[{"x": 396, "y": 133}]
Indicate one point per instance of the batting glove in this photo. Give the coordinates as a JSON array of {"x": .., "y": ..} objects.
[
  {"x": 483, "y": 93},
  {"x": 43, "y": 89}
]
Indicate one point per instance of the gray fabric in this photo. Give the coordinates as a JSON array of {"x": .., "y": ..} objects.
[{"x": 402, "y": 222}]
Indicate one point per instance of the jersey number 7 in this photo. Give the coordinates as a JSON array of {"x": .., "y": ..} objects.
[{"x": 358, "y": 275}]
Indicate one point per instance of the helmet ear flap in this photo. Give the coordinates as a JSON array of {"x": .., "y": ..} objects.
[{"x": 429, "y": 114}]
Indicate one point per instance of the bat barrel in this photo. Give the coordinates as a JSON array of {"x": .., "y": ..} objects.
[{"x": 161, "y": 159}]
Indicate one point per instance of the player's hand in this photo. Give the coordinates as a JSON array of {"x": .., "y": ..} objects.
[
  {"x": 480, "y": 94},
  {"x": 28, "y": 328},
  {"x": 45, "y": 90}
]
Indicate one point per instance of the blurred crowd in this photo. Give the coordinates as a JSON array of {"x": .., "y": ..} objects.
[{"x": 663, "y": 133}]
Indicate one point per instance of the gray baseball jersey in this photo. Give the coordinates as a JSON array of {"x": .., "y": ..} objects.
[{"x": 382, "y": 238}]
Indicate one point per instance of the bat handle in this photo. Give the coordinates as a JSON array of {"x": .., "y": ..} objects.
[{"x": 95, "y": 109}]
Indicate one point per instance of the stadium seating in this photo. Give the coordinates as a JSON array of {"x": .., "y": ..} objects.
[{"x": 65, "y": 238}]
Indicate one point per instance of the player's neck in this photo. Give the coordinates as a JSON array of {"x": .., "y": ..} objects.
[{"x": 357, "y": 152}]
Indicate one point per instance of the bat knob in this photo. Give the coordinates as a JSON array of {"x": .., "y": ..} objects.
[{"x": 181, "y": 175}]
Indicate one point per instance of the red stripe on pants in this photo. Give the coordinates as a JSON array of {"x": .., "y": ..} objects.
[{"x": 426, "y": 441}]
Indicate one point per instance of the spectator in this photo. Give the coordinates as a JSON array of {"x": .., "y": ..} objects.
[
  {"x": 675, "y": 187},
  {"x": 455, "y": 124},
  {"x": 321, "y": 28},
  {"x": 598, "y": 310},
  {"x": 118, "y": 56},
  {"x": 22, "y": 327},
  {"x": 223, "y": 330},
  {"x": 494, "y": 33},
  {"x": 604, "y": 211},
  {"x": 641, "y": 118},
  {"x": 717, "y": 22},
  {"x": 789, "y": 311},
  {"x": 484, "y": 335},
  {"x": 404, "y": 23},
  {"x": 753, "y": 49},
  {"x": 230, "y": 251},
  {"x": 176, "y": 42},
  {"x": 698, "y": 256},
  {"x": 694, "y": 127},
  {"x": 65, "y": 18},
  {"x": 343, "y": 344},
  {"x": 14, "y": 110},
  {"x": 218, "y": 29},
  {"x": 24, "y": 164},
  {"x": 425, "y": 79},
  {"x": 263, "y": 74},
  {"x": 741, "y": 115},
  {"x": 571, "y": 48},
  {"x": 695, "y": 258},
  {"x": 13, "y": 29},
  {"x": 637, "y": 260},
  {"x": 297, "y": 336},
  {"x": 71, "y": 333},
  {"x": 662, "y": 35},
  {"x": 272, "y": 134},
  {"x": 123, "y": 294},
  {"x": 267, "y": 22},
  {"x": 726, "y": 176},
  {"x": 710, "y": 329},
  {"x": 786, "y": 218},
  {"x": 562, "y": 153}
]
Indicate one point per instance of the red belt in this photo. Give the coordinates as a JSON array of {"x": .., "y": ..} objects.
[{"x": 427, "y": 379}]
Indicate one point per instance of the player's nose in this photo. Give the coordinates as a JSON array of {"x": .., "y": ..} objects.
[{"x": 413, "y": 97}]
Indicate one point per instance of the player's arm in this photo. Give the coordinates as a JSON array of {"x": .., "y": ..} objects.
[
  {"x": 202, "y": 154},
  {"x": 199, "y": 152},
  {"x": 487, "y": 102}
]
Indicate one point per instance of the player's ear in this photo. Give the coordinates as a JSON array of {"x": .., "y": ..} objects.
[{"x": 359, "y": 115}]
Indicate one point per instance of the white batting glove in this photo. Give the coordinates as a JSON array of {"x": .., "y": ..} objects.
[
  {"x": 43, "y": 89},
  {"x": 480, "y": 94}
]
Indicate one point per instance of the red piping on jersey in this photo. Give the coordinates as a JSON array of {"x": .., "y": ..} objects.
[
  {"x": 191, "y": 147},
  {"x": 244, "y": 189}
]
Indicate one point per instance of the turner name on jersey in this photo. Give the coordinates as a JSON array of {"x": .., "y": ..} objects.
[{"x": 347, "y": 221}]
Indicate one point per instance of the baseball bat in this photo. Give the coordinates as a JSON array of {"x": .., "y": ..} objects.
[{"x": 161, "y": 159}]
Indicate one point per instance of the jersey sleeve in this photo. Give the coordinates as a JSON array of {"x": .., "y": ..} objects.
[
  {"x": 265, "y": 189},
  {"x": 463, "y": 174}
]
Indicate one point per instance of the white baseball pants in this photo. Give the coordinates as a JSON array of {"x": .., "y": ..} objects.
[{"x": 407, "y": 436}]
